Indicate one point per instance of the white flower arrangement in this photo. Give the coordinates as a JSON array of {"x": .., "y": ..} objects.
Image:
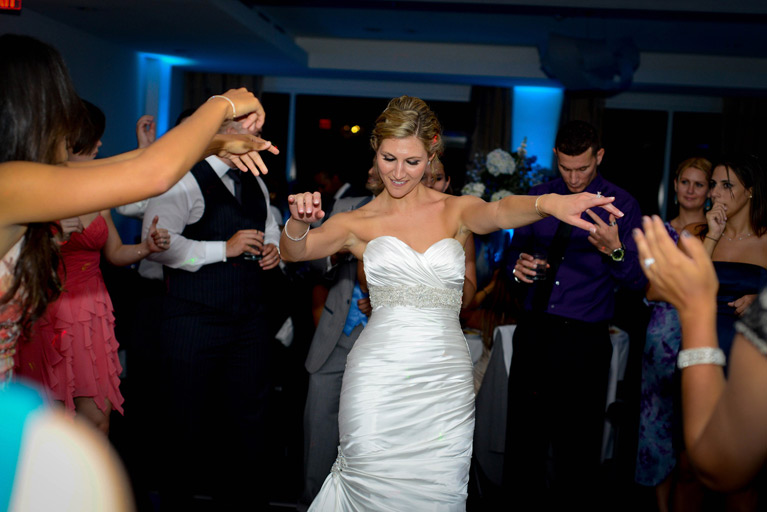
[
  {"x": 500, "y": 162},
  {"x": 473, "y": 189},
  {"x": 500, "y": 174}
]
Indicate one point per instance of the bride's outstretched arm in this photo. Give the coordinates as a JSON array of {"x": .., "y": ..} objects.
[
  {"x": 516, "y": 211},
  {"x": 299, "y": 242}
]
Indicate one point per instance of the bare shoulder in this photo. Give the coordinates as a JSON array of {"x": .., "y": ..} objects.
[
  {"x": 761, "y": 250},
  {"x": 462, "y": 202}
]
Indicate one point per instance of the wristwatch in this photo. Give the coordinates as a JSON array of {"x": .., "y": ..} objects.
[{"x": 618, "y": 254}]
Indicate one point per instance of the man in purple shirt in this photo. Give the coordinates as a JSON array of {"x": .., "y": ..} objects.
[{"x": 562, "y": 349}]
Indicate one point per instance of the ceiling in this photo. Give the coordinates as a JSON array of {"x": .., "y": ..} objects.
[{"x": 370, "y": 38}]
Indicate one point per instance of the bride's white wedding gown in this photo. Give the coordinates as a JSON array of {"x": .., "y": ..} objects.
[{"x": 406, "y": 415}]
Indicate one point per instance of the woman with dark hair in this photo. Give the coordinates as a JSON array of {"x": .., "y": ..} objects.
[
  {"x": 40, "y": 111},
  {"x": 72, "y": 351},
  {"x": 85, "y": 145},
  {"x": 659, "y": 448},
  {"x": 735, "y": 235},
  {"x": 406, "y": 413}
]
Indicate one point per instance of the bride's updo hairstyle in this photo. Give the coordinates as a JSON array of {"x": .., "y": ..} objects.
[{"x": 407, "y": 116}]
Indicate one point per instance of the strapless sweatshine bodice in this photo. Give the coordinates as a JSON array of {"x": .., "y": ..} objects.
[{"x": 400, "y": 276}]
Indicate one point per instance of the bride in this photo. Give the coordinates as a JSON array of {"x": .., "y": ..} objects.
[{"x": 406, "y": 416}]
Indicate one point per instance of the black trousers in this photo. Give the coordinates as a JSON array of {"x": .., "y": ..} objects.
[
  {"x": 215, "y": 368},
  {"x": 557, "y": 392}
]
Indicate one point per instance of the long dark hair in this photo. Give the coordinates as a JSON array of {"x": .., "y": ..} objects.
[
  {"x": 751, "y": 172},
  {"x": 91, "y": 129},
  {"x": 38, "y": 110}
]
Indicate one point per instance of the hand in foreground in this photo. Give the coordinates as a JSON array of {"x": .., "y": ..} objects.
[
  {"x": 243, "y": 150},
  {"x": 605, "y": 236},
  {"x": 270, "y": 257},
  {"x": 69, "y": 226},
  {"x": 306, "y": 207},
  {"x": 716, "y": 218},
  {"x": 158, "y": 240},
  {"x": 570, "y": 207},
  {"x": 247, "y": 108},
  {"x": 525, "y": 269},
  {"x": 245, "y": 240},
  {"x": 684, "y": 277},
  {"x": 146, "y": 131}
]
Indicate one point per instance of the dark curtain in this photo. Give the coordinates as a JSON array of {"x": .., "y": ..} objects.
[
  {"x": 583, "y": 106},
  {"x": 492, "y": 119},
  {"x": 198, "y": 87},
  {"x": 744, "y": 129}
]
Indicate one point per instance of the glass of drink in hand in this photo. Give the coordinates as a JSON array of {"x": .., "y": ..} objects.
[
  {"x": 250, "y": 256},
  {"x": 540, "y": 261}
]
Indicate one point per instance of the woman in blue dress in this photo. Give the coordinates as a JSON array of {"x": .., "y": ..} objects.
[{"x": 658, "y": 447}]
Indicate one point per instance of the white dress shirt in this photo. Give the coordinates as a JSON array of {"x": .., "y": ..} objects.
[
  {"x": 182, "y": 205},
  {"x": 134, "y": 210}
]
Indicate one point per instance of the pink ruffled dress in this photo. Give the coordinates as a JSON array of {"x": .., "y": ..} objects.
[{"x": 73, "y": 350}]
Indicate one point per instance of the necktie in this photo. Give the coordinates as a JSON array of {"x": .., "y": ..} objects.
[
  {"x": 543, "y": 289},
  {"x": 235, "y": 175}
]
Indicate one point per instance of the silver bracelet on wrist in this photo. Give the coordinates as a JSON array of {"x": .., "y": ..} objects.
[
  {"x": 702, "y": 355},
  {"x": 537, "y": 210},
  {"x": 285, "y": 230},
  {"x": 234, "y": 110}
]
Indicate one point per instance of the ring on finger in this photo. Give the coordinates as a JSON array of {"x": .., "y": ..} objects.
[
  {"x": 613, "y": 223},
  {"x": 599, "y": 193},
  {"x": 648, "y": 262}
]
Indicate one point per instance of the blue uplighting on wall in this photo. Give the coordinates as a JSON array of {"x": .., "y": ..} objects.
[
  {"x": 155, "y": 86},
  {"x": 535, "y": 115}
]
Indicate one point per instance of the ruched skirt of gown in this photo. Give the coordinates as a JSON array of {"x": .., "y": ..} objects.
[{"x": 406, "y": 417}]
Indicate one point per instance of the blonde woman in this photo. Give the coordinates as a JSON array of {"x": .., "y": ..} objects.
[{"x": 406, "y": 416}]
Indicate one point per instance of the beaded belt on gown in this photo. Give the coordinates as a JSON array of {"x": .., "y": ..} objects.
[{"x": 416, "y": 296}]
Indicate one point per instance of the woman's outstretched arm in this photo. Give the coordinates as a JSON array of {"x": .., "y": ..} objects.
[
  {"x": 33, "y": 192},
  {"x": 516, "y": 211}
]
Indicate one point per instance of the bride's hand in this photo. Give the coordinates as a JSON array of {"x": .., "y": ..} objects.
[
  {"x": 570, "y": 207},
  {"x": 306, "y": 207}
]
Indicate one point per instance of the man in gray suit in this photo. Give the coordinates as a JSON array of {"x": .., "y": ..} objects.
[{"x": 339, "y": 326}]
